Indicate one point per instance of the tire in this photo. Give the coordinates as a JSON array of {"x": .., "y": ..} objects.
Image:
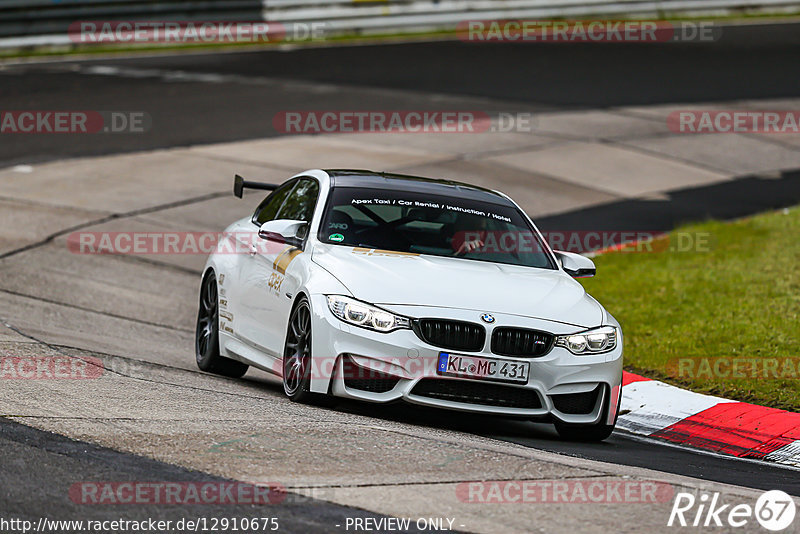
[
  {"x": 206, "y": 339},
  {"x": 297, "y": 358},
  {"x": 588, "y": 433}
]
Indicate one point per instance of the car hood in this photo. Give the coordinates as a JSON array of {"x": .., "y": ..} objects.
[{"x": 390, "y": 278}]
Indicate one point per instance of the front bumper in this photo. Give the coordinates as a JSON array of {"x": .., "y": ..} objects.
[{"x": 561, "y": 386}]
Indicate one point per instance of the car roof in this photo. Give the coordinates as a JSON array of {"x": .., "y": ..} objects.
[{"x": 416, "y": 184}]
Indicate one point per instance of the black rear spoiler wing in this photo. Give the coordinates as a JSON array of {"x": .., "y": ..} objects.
[{"x": 240, "y": 184}]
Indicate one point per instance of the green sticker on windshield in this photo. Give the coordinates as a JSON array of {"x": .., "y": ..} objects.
[{"x": 336, "y": 237}]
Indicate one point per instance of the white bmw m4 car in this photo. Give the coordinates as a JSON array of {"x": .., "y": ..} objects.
[{"x": 383, "y": 287}]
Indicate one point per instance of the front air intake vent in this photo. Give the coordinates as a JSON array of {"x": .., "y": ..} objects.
[
  {"x": 521, "y": 342},
  {"x": 480, "y": 393},
  {"x": 451, "y": 335},
  {"x": 576, "y": 403},
  {"x": 363, "y": 379}
]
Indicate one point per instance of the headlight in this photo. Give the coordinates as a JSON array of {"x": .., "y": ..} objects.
[
  {"x": 593, "y": 341},
  {"x": 361, "y": 314}
]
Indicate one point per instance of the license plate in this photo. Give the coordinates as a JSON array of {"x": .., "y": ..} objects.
[{"x": 483, "y": 368}]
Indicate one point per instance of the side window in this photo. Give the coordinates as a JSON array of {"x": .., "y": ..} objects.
[
  {"x": 268, "y": 209},
  {"x": 299, "y": 205}
]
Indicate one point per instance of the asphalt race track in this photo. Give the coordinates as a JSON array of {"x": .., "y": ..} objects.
[
  {"x": 746, "y": 63},
  {"x": 58, "y": 460},
  {"x": 155, "y": 417}
]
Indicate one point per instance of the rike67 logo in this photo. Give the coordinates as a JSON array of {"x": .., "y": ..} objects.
[{"x": 774, "y": 510}]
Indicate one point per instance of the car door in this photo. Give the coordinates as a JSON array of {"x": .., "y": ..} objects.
[
  {"x": 273, "y": 282},
  {"x": 253, "y": 273},
  {"x": 287, "y": 271}
]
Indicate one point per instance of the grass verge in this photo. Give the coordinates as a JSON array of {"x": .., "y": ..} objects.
[{"x": 724, "y": 319}]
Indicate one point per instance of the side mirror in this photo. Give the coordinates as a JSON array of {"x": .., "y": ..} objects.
[
  {"x": 575, "y": 265},
  {"x": 284, "y": 231}
]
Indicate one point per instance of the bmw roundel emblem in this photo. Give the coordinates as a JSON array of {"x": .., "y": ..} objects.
[{"x": 487, "y": 318}]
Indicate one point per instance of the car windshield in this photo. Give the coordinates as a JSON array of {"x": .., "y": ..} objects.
[{"x": 437, "y": 225}]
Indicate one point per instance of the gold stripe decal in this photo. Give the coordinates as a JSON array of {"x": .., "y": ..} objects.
[
  {"x": 283, "y": 260},
  {"x": 387, "y": 253}
]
